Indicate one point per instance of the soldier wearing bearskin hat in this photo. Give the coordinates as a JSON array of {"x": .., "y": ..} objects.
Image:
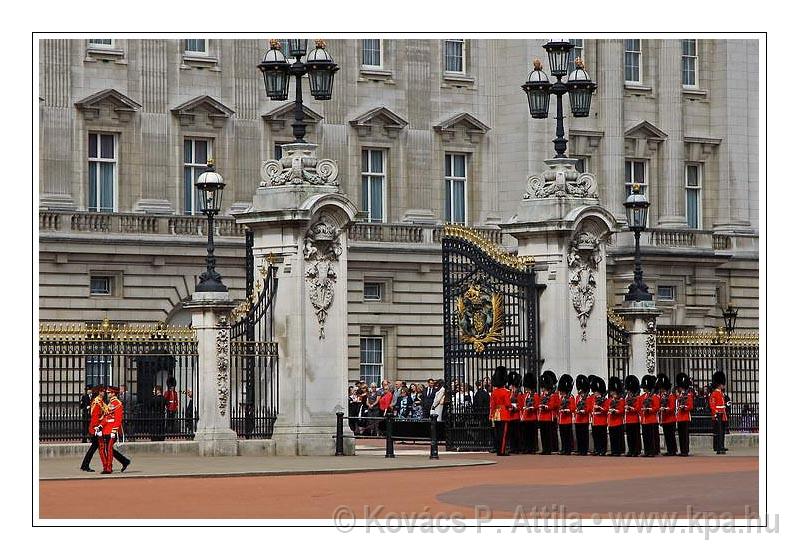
[
  {"x": 666, "y": 413},
  {"x": 514, "y": 385},
  {"x": 566, "y": 409},
  {"x": 499, "y": 406},
  {"x": 684, "y": 404},
  {"x": 651, "y": 404},
  {"x": 583, "y": 412},
  {"x": 719, "y": 413},
  {"x": 548, "y": 408},
  {"x": 633, "y": 407},
  {"x": 616, "y": 416},
  {"x": 597, "y": 404},
  {"x": 528, "y": 405}
]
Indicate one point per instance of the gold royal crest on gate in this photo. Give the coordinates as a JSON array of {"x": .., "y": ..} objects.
[{"x": 480, "y": 317}]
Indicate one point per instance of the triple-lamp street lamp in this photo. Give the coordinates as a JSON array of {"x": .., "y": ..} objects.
[
  {"x": 637, "y": 208},
  {"x": 578, "y": 85},
  {"x": 276, "y": 69},
  {"x": 210, "y": 184}
]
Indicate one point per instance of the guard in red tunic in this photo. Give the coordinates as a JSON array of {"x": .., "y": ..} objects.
[
  {"x": 651, "y": 404},
  {"x": 546, "y": 412},
  {"x": 499, "y": 405},
  {"x": 514, "y": 437},
  {"x": 616, "y": 416},
  {"x": 96, "y": 411},
  {"x": 666, "y": 414},
  {"x": 684, "y": 403},
  {"x": 583, "y": 412},
  {"x": 597, "y": 404},
  {"x": 633, "y": 406},
  {"x": 719, "y": 414},
  {"x": 112, "y": 431},
  {"x": 528, "y": 405},
  {"x": 566, "y": 409}
]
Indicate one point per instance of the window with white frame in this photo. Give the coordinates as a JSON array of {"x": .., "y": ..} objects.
[
  {"x": 372, "y": 359},
  {"x": 101, "y": 285},
  {"x": 633, "y": 61},
  {"x": 689, "y": 62},
  {"x": 102, "y": 172},
  {"x": 373, "y": 184},
  {"x": 196, "y": 153},
  {"x": 101, "y": 43},
  {"x": 635, "y": 172},
  {"x": 195, "y": 46},
  {"x": 371, "y": 53},
  {"x": 577, "y": 52},
  {"x": 454, "y": 56},
  {"x": 694, "y": 195},
  {"x": 373, "y": 291},
  {"x": 665, "y": 293},
  {"x": 455, "y": 188}
]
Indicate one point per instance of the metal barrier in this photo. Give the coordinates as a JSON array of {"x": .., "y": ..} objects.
[{"x": 390, "y": 424}]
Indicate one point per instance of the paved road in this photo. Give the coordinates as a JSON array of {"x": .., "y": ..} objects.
[{"x": 565, "y": 485}]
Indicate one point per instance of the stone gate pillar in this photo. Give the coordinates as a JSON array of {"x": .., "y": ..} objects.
[
  {"x": 300, "y": 217},
  {"x": 561, "y": 223},
  {"x": 640, "y": 322}
]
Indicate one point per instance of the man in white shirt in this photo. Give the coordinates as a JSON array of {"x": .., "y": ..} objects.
[{"x": 438, "y": 400}]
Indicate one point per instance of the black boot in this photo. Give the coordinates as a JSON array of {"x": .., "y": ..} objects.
[
  {"x": 126, "y": 465},
  {"x": 87, "y": 469}
]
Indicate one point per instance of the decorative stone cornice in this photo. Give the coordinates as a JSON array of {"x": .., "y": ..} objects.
[
  {"x": 280, "y": 116},
  {"x": 473, "y": 128},
  {"x": 647, "y": 130},
  {"x": 122, "y": 106},
  {"x": 391, "y": 123},
  {"x": 299, "y": 166},
  {"x": 217, "y": 112},
  {"x": 561, "y": 180}
]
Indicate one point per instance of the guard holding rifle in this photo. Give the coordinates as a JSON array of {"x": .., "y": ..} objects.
[
  {"x": 514, "y": 383},
  {"x": 684, "y": 403},
  {"x": 719, "y": 413},
  {"x": 565, "y": 411},
  {"x": 633, "y": 406},
  {"x": 616, "y": 416},
  {"x": 649, "y": 416},
  {"x": 582, "y": 414},
  {"x": 499, "y": 406},
  {"x": 528, "y": 405},
  {"x": 666, "y": 413},
  {"x": 598, "y": 405},
  {"x": 545, "y": 414}
]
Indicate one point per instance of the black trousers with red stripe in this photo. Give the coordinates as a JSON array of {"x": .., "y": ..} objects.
[
  {"x": 501, "y": 436},
  {"x": 600, "y": 439},
  {"x": 669, "y": 438},
  {"x": 527, "y": 430},
  {"x": 546, "y": 431}
]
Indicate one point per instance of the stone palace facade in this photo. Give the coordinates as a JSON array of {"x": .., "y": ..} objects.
[{"x": 426, "y": 132}]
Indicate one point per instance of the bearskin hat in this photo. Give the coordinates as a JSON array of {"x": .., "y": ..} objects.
[
  {"x": 565, "y": 383},
  {"x": 615, "y": 384},
  {"x": 632, "y": 384},
  {"x": 582, "y": 383},
  {"x": 171, "y": 382},
  {"x": 514, "y": 378},
  {"x": 597, "y": 384},
  {"x": 718, "y": 378},
  {"x": 648, "y": 383},
  {"x": 499, "y": 377},
  {"x": 529, "y": 380},
  {"x": 682, "y": 381},
  {"x": 663, "y": 383},
  {"x": 547, "y": 380}
]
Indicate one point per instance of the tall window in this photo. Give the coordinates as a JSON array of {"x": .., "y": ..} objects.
[
  {"x": 195, "y": 46},
  {"x": 454, "y": 55},
  {"x": 577, "y": 52},
  {"x": 373, "y": 184},
  {"x": 635, "y": 172},
  {"x": 455, "y": 188},
  {"x": 633, "y": 60},
  {"x": 689, "y": 62},
  {"x": 102, "y": 172},
  {"x": 694, "y": 195},
  {"x": 195, "y": 160},
  {"x": 372, "y": 359},
  {"x": 371, "y": 53}
]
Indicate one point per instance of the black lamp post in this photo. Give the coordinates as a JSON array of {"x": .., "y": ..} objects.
[
  {"x": 276, "y": 69},
  {"x": 210, "y": 184},
  {"x": 578, "y": 85},
  {"x": 637, "y": 208},
  {"x": 729, "y": 315}
]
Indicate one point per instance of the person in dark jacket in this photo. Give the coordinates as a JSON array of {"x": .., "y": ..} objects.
[
  {"x": 428, "y": 394},
  {"x": 85, "y": 403},
  {"x": 480, "y": 402},
  {"x": 405, "y": 404},
  {"x": 157, "y": 408}
]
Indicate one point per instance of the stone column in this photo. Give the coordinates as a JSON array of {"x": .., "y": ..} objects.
[
  {"x": 209, "y": 319},
  {"x": 300, "y": 217},
  {"x": 563, "y": 226},
  {"x": 610, "y": 93},
  {"x": 671, "y": 197},
  {"x": 640, "y": 322}
]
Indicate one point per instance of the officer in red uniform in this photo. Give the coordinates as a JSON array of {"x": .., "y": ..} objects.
[
  {"x": 616, "y": 416},
  {"x": 514, "y": 437},
  {"x": 96, "y": 411},
  {"x": 555, "y": 403},
  {"x": 112, "y": 431},
  {"x": 499, "y": 405},
  {"x": 633, "y": 406},
  {"x": 545, "y": 412},
  {"x": 583, "y": 412},
  {"x": 684, "y": 403},
  {"x": 651, "y": 404},
  {"x": 666, "y": 414},
  {"x": 719, "y": 414},
  {"x": 566, "y": 409},
  {"x": 172, "y": 402},
  {"x": 528, "y": 405},
  {"x": 597, "y": 404}
]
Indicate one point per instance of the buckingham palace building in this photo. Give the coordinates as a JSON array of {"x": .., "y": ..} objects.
[{"x": 426, "y": 132}]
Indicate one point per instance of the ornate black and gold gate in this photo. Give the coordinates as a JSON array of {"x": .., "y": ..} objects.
[{"x": 491, "y": 318}]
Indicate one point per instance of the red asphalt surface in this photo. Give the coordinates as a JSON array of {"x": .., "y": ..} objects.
[{"x": 576, "y": 486}]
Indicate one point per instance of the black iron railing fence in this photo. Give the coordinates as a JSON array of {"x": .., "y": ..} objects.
[
  {"x": 699, "y": 355},
  {"x": 618, "y": 346},
  {"x": 139, "y": 359}
]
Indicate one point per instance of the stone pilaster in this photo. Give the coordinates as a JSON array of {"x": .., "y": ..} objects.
[
  {"x": 671, "y": 196},
  {"x": 610, "y": 93},
  {"x": 209, "y": 319},
  {"x": 640, "y": 322}
]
